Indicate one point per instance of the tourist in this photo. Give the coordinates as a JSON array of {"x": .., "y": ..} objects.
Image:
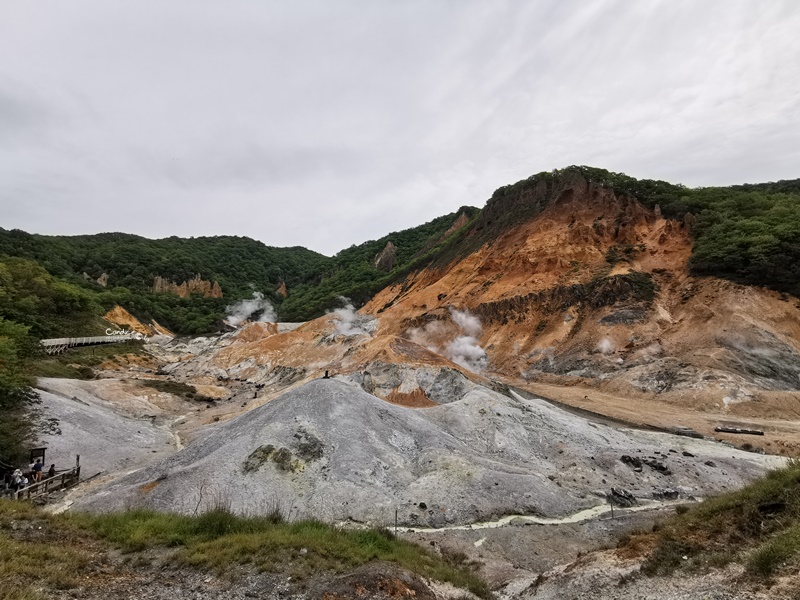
[
  {"x": 16, "y": 480},
  {"x": 52, "y": 471},
  {"x": 37, "y": 470}
]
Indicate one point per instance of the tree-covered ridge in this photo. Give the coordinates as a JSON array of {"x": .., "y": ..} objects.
[
  {"x": 33, "y": 305},
  {"x": 240, "y": 265},
  {"x": 46, "y": 305},
  {"x": 352, "y": 272},
  {"x": 748, "y": 233},
  {"x": 17, "y": 424},
  {"x": 70, "y": 265}
]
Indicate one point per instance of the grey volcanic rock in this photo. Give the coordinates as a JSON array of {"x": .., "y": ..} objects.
[
  {"x": 106, "y": 438},
  {"x": 441, "y": 385},
  {"x": 386, "y": 258},
  {"x": 332, "y": 451}
]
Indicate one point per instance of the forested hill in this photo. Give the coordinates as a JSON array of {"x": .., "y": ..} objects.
[
  {"x": 56, "y": 284},
  {"x": 238, "y": 264},
  {"x": 747, "y": 233}
]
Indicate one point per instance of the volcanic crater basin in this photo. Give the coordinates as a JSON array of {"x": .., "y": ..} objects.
[{"x": 330, "y": 450}]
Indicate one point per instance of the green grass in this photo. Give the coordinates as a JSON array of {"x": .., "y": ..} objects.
[
  {"x": 58, "y": 548},
  {"x": 782, "y": 549},
  {"x": 219, "y": 539},
  {"x": 176, "y": 388},
  {"x": 758, "y": 525},
  {"x": 24, "y": 565}
]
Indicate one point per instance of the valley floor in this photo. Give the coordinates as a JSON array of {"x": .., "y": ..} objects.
[
  {"x": 127, "y": 431},
  {"x": 781, "y": 425}
]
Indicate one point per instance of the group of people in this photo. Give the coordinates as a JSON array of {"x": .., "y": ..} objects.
[{"x": 20, "y": 480}]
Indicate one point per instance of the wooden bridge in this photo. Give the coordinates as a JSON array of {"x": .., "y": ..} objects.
[{"x": 59, "y": 345}]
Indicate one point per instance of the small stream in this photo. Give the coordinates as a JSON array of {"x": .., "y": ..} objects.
[{"x": 578, "y": 517}]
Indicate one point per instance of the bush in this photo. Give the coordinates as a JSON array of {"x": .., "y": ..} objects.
[
  {"x": 668, "y": 556},
  {"x": 775, "y": 552},
  {"x": 760, "y": 521}
]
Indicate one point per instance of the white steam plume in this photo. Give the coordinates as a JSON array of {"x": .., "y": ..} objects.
[
  {"x": 241, "y": 311},
  {"x": 465, "y": 350},
  {"x": 349, "y": 322},
  {"x": 424, "y": 336},
  {"x": 606, "y": 346}
]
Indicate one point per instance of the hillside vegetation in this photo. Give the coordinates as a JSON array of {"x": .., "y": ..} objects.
[
  {"x": 48, "y": 284},
  {"x": 758, "y": 526},
  {"x": 69, "y": 266},
  {"x": 746, "y": 233},
  {"x": 131, "y": 264},
  {"x": 49, "y": 288},
  {"x": 352, "y": 272},
  {"x": 41, "y": 552}
]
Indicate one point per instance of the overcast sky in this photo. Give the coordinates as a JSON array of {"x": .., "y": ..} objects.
[{"x": 328, "y": 123}]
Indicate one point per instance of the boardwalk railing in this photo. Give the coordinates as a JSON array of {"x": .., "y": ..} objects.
[
  {"x": 59, "y": 345},
  {"x": 61, "y": 481}
]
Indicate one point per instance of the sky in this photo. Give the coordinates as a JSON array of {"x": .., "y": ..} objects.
[{"x": 329, "y": 123}]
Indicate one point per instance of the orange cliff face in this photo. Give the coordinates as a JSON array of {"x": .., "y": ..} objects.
[
  {"x": 566, "y": 244},
  {"x": 121, "y": 317},
  {"x": 196, "y": 285},
  {"x": 594, "y": 285},
  {"x": 590, "y": 288}
]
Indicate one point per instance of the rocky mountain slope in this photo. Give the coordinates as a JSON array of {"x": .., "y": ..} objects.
[
  {"x": 594, "y": 290},
  {"x": 585, "y": 296}
]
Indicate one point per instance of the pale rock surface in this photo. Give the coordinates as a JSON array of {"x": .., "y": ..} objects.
[{"x": 330, "y": 450}]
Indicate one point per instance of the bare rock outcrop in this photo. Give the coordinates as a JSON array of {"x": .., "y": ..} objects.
[
  {"x": 122, "y": 318},
  {"x": 196, "y": 285},
  {"x": 385, "y": 259}
]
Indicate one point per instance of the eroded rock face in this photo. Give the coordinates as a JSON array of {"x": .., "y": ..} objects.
[
  {"x": 440, "y": 385},
  {"x": 122, "y": 318},
  {"x": 385, "y": 259},
  {"x": 574, "y": 282},
  {"x": 196, "y": 285}
]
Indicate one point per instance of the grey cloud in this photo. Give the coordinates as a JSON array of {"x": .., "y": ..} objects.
[
  {"x": 326, "y": 124},
  {"x": 240, "y": 161},
  {"x": 20, "y": 114}
]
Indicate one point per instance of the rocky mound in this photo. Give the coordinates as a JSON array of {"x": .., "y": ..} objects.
[
  {"x": 330, "y": 450},
  {"x": 107, "y": 438}
]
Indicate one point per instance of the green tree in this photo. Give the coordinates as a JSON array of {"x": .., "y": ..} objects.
[{"x": 17, "y": 421}]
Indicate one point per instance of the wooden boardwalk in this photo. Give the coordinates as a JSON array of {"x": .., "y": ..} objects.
[
  {"x": 60, "y": 481},
  {"x": 59, "y": 345}
]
